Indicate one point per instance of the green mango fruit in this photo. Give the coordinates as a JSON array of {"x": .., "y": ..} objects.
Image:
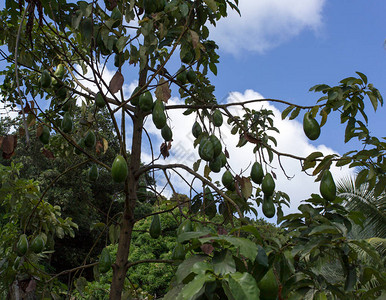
[
  {"x": 217, "y": 118},
  {"x": 81, "y": 144},
  {"x": 104, "y": 261},
  {"x": 22, "y": 245},
  {"x": 146, "y": 101},
  {"x": 61, "y": 92},
  {"x": 185, "y": 226},
  {"x": 311, "y": 127},
  {"x": 67, "y": 105},
  {"x": 191, "y": 76},
  {"x": 60, "y": 71},
  {"x": 119, "y": 169},
  {"x": 178, "y": 252},
  {"x": 89, "y": 139},
  {"x": 45, "y": 79},
  {"x": 93, "y": 173},
  {"x": 182, "y": 75},
  {"x": 217, "y": 147},
  {"x": 45, "y": 135},
  {"x": 327, "y": 186},
  {"x": 223, "y": 159},
  {"x": 67, "y": 123},
  {"x": 216, "y": 164},
  {"x": 268, "y": 286},
  {"x": 257, "y": 173},
  {"x": 135, "y": 100},
  {"x": 228, "y": 181},
  {"x": 142, "y": 193},
  {"x": 99, "y": 100},
  {"x": 159, "y": 117},
  {"x": 37, "y": 244},
  {"x": 209, "y": 204},
  {"x": 268, "y": 207},
  {"x": 268, "y": 185},
  {"x": 187, "y": 56},
  {"x": 205, "y": 150},
  {"x": 155, "y": 227},
  {"x": 167, "y": 133},
  {"x": 196, "y": 129}
]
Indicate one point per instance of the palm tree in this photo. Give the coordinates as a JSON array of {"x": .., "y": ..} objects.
[{"x": 363, "y": 200}]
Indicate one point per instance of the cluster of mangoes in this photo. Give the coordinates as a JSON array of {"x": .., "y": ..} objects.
[
  {"x": 144, "y": 100},
  {"x": 36, "y": 246}
]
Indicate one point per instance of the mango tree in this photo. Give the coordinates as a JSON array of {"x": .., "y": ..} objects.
[{"x": 57, "y": 56}]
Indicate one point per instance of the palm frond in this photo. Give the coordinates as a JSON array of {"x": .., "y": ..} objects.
[{"x": 362, "y": 199}]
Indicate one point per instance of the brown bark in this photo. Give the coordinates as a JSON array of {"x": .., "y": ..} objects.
[{"x": 120, "y": 266}]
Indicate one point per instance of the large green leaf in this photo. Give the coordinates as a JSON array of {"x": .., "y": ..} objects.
[
  {"x": 195, "y": 288},
  {"x": 243, "y": 286},
  {"x": 185, "y": 268},
  {"x": 186, "y": 236},
  {"x": 223, "y": 263},
  {"x": 247, "y": 247}
]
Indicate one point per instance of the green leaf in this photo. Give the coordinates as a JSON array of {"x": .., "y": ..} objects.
[
  {"x": 285, "y": 112},
  {"x": 223, "y": 263},
  {"x": 247, "y": 247},
  {"x": 319, "y": 87},
  {"x": 243, "y": 286},
  {"x": 361, "y": 177},
  {"x": 295, "y": 113},
  {"x": 249, "y": 228},
  {"x": 75, "y": 20},
  {"x": 196, "y": 165},
  {"x": 363, "y": 77},
  {"x": 213, "y": 68},
  {"x": 201, "y": 267},
  {"x": 121, "y": 43},
  {"x": 315, "y": 110},
  {"x": 313, "y": 156},
  {"x": 320, "y": 296},
  {"x": 196, "y": 287},
  {"x": 246, "y": 187},
  {"x": 324, "y": 115},
  {"x": 184, "y": 9},
  {"x": 211, "y": 4},
  {"x": 191, "y": 235},
  {"x": 374, "y": 100},
  {"x": 322, "y": 229},
  {"x": 185, "y": 268}
]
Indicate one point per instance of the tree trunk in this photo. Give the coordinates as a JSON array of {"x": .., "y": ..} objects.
[{"x": 121, "y": 265}]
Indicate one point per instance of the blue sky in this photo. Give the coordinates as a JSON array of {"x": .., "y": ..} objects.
[
  {"x": 349, "y": 38},
  {"x": 279, "y": 49}
]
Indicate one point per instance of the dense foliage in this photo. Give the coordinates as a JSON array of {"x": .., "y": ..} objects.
[{"x": 118, "y": 235}]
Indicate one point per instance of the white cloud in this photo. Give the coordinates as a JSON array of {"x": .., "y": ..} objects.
[
  {"x": 6, "y": 109},
  {"x": 265, "y": 24},
  {"x": 290, "y": 140}
]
